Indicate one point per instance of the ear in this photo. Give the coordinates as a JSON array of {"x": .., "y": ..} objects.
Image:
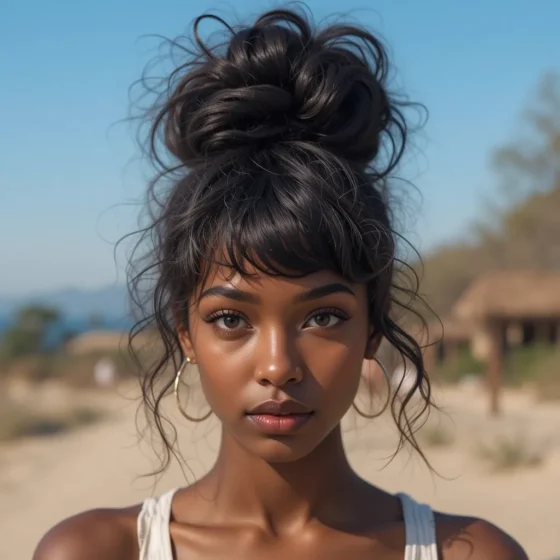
[
  {"x": 373, "y": 344},
  {"x": 184, "y": 338}
]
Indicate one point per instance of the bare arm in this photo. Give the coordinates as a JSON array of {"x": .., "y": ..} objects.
[{"x": 474, "y": 539}]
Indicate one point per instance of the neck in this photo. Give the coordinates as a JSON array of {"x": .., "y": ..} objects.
[{"x": 282, "y": 495}]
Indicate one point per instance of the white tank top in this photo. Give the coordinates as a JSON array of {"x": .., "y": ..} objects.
[{"x": 155, "y": 542}]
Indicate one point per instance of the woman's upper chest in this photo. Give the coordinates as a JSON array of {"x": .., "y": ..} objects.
[
  {"x": 160, "y": 537},
  {"x": 189, "y": 543}
]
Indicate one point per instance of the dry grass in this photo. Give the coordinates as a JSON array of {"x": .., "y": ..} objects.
[
  {"x": 547, "y": 378},
  {"x": 73, "y": 370},
  {"x": 510, "y": 452},
  {"x": 17, "y": 422},
  {"x": 547, "y": 391},
  {"x": 436, "y": 435}
]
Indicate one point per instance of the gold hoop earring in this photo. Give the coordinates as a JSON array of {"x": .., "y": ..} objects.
[
  {"x": 387, "y": 402},
  {"x": 176, "y": 391}
]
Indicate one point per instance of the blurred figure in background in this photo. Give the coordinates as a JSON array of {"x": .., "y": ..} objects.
[{"x": 104, "y": 373}]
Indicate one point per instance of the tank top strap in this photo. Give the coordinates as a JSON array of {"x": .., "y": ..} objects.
[
  {"x": 420, "y": 526},
  {"x": 154, "y": 540}
]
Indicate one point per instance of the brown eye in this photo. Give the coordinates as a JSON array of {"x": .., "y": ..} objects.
[
  {"x": 231, "y": 321},
  {"x": 323, "y": 320},
  {"x": 326, "y": 319}
]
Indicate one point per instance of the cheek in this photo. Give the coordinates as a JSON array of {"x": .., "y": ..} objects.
[
  {"x": 336, "y": 368},
  {"x": 216, "y": 363},
  {"x": 224, "y": 374}
]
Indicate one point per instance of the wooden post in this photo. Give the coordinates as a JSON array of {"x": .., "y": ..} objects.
[
  {"x": 541, "y": 332},
  {"x": 453, "y": 352},
  {"x": 495, "y": 366}
]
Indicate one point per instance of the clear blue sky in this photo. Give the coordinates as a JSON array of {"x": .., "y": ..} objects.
[{"x": 66, "y": 173}]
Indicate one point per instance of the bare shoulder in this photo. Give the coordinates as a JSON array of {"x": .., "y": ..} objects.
[
  {"x": 102, "y": 533},
  {"x": 469, "y": 538}
]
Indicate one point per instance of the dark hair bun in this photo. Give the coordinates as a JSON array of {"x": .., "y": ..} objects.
[{"x": 280, "y": 81}]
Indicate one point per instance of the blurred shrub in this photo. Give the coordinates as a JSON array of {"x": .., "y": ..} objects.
[
  {"x": 509, "y": 452},
  {"x": 78, "y": 370},
  {"x": 29, "y": 332},
  {"x": 74, "y": 370},
  {"x": 546, "y": 378},
  {"x": 452, "y": 370},
  {"x": 523, "y": 364},
  {"x": 436, "y": 435},
  {"x": 18, "y": 421}
]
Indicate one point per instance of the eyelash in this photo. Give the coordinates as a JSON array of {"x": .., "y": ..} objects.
[
  {"x": 213, "y": 317},
  {"x": 335, "y": 312}
]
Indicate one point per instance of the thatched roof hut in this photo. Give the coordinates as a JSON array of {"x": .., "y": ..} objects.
[
  {"x": 449, "y": 330},
  {"x": 511, "y": 295},
  {"x": 499, "y": 300}
]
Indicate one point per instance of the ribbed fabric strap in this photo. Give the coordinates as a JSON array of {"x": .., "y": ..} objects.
[
  {"x": 155, "y": 542},
  {"x": 153, "y": 528},
  {"x": 421, "y": 543}
]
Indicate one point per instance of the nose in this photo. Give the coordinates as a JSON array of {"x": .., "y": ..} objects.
[{"x": 277, "y": 359}]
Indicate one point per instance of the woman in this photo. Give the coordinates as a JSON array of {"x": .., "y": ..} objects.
[{"x": 275, "y": 266}]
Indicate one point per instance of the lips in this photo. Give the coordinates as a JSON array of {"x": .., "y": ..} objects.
[
  {"x": 279, "y": 417},
  {"x": 280, "y": 408}
]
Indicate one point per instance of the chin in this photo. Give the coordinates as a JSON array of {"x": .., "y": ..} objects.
[{"x": 281, "y": 450}]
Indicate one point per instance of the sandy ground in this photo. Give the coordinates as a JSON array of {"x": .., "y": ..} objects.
[{"x": 44, "y": 480}]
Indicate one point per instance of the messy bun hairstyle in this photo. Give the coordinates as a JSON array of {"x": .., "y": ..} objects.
[{"x": 273, "y": 150}]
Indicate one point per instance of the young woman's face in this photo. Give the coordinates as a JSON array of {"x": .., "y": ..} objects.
[{"x": 280, "y": 359}]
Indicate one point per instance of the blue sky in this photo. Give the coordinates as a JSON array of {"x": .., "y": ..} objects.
[{"x": 67, "y": 169}]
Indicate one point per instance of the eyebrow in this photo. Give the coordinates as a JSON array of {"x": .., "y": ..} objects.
[
  {"x": 230, "y": 293},
  {"x": 323, "y": 291},
  {"x": 315, "y": 293}
]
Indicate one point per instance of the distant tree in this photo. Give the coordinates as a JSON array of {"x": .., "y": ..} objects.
[
  {"x": 67, "y": 336},
  {"x": 522, "y": 227},
  {"x": 531, "y": 164},
  {"x": 29, "y": 333},
  {"x": 528, "y": 236},
  {"x": 447, "y": 273},
  {"x": 95, "y": 321},
  {"x": 524, "y": 231}
]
